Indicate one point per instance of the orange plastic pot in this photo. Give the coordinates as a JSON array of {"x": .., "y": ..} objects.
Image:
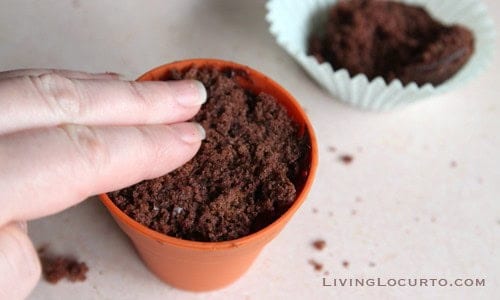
[{"x": 202, "y": 266}]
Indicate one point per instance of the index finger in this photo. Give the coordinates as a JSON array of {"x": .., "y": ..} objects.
[
  {"x": 50, "y": 99},
  {"x": 44, "y": 171}
]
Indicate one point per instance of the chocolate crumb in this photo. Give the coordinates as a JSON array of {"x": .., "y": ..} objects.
[
  {"x": 315, "y": 210},
  {"x": 319, "y": 244},
  {"x": 332, "y": 149},
  {"x": 55, "y": 268},
  {"x": 41, "y": 250},
  {"x": 358, "y": 199},
  {"x": 345, "y": 264},
  {"x": 346, "y": 158},
  {"x": 371, "y": 264},
  {"x": 317, "y": 266},
  {"x": 330, "y": 213},
  {"x": 453, "y": 164},
  {"x": 433, "y": 219},
  {"x": 353, "y": 212}
]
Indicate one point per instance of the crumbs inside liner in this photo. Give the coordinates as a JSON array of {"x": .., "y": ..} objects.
[{"x": 392, "y": 40}]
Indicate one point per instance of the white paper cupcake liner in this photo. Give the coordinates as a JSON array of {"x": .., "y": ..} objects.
[{"x": 291, "y": 22}]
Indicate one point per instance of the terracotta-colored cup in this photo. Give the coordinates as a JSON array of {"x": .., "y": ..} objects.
[{"x": 201, "y": 266}]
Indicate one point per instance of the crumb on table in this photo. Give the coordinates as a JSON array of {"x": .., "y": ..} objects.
[
  {"x": 319, "y": 244},
  {"x": 55, "y": 268}
]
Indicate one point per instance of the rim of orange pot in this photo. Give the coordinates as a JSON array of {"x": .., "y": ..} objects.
[{"x": 313, "y": 163}]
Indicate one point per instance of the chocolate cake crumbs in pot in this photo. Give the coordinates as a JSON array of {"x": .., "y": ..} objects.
[{"x": 245, "y": 175}]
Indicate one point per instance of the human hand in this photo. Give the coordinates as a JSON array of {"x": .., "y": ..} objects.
[{"x": 65, "y": 136}]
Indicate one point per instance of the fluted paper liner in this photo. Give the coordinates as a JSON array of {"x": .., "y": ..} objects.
[{"x": 291, "y": 22}]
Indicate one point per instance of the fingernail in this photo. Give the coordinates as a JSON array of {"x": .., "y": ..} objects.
[
  {"x": 189, "y": 132},
  {"x": 190, "y": 92}
]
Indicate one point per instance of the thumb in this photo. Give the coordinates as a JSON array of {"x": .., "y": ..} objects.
[{"x": 19, "y": 265}]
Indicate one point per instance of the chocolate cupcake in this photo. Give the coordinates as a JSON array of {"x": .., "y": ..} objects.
[
  {"x": 378, "y": 54},
  {"x": 393, "y": 40}
]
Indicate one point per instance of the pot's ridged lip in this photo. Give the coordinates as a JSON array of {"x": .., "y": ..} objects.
[
  {"x": 290, "y": 23},
  {"x": 155, "y": 74}
]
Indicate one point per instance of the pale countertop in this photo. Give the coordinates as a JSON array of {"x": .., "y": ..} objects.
[{"x": 416, "y": 215}]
